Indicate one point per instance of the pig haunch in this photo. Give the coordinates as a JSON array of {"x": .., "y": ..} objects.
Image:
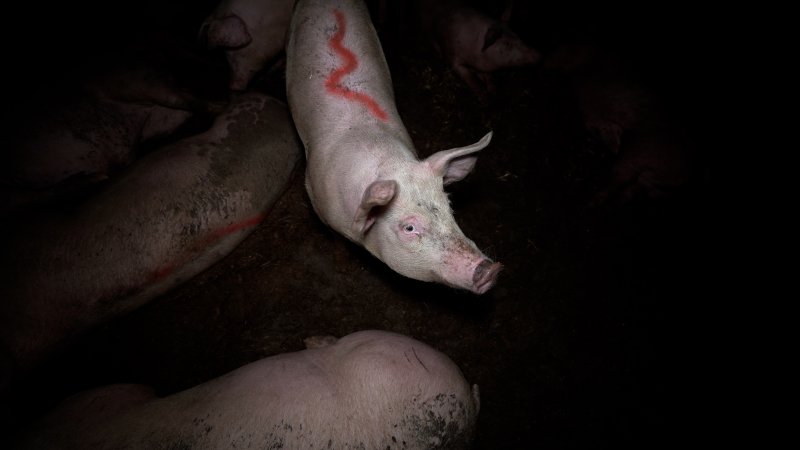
[
  {"x": 363, "y": 175},
  {"x": 370, "y": 389}
]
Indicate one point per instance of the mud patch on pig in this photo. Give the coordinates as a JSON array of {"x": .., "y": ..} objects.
[{"x": 441, "y": 422}]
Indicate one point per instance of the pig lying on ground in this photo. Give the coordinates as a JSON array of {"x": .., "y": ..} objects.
[
  {"x": 363, "y": 175},
  {"x": 170, "y": 216},
  {"x": 370, "y": 389},
  {"x": 251, "y": 32},
  {"x": 472, "y": 43}
]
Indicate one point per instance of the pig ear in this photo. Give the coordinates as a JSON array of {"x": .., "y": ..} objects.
[
  {"x": 379, "y": 193},
  {"x": 456, "y": 163},
  {"x": 493, "y": 33},
  {"x": 228, "y": 32},
  {"x": 505, "y": 17}
]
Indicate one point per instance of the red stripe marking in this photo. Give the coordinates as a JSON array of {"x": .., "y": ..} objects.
[
  {"x": 211, "y": 238},
  {"x": 333, "y": 83},
  {"x": 234, "y": 227}
]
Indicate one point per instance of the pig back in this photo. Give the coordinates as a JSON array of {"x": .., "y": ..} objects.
[{"x": 337, "y": 77}]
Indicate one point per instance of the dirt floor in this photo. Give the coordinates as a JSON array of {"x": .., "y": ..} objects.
[{"x": 585, "y": 342}]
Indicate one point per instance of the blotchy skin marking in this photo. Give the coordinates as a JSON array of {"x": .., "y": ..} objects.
[{"x": 332, "y": 83}]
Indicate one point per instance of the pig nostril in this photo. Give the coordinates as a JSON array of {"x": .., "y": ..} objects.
[
  {"x": 481, "y": 271},
  {"x": 485, "y": 276}
]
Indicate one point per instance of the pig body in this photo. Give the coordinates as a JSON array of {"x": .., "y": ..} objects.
[
  {"x": 370, "y": 389},
  {"x": 251, "y": 32},
  {"x": 473, "y": 44},
  {"x": 170, "y": 216},
  {"x": 363, "y": 176}
]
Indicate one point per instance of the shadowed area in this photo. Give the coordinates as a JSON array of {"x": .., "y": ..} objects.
[{"x": 592, "y": 336}]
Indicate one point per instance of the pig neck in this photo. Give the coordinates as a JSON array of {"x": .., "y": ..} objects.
[{"x": 340, "y": 171}]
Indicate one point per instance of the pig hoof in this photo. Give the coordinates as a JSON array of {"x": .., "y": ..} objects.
[{"x": 485, "y": 276}]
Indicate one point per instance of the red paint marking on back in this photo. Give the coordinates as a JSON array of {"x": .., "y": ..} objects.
[
  {"x": 222, "y": 232},
  {"x": 333, "y": 83},
  {"x": 210, "y": 239}
]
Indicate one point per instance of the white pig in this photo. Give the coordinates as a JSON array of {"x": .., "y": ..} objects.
[
  {"x": 251, "y": 32},
  {"x": 170, "y": 216},
  {"x": 474, "y": 44},
  {"x": 370, "y": 389},
  {"x": 363, "y": 176}
]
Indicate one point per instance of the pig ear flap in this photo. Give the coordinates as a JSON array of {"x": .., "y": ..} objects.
[
  {"x": 493, "y": 33},
  {"x": 228, "y": 32},
  {"x": 455, "y": 164},
  {"x": 377, "y": 194}
]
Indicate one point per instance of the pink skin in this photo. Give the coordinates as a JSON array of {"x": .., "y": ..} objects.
[
  {"x": 363, "y": 175},
  {"x": 369, "y": 389},
  {"x": 414, "y": 231}
]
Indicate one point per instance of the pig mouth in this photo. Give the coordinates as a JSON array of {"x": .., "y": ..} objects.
[{"x": 485, "y": 276}]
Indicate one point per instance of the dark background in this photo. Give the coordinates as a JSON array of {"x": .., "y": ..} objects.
[{"x": 596, "y": 334}]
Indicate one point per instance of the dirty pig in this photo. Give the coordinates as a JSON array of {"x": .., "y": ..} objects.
[
  {"x": 170, "y": 216},
  {"x": 363, "y": 175},
  {"x": 369, "y": 389}
]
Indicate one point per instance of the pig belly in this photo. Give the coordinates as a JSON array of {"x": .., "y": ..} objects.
[{"x": 173, "y": 214}]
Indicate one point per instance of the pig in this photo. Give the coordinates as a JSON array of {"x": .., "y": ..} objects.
[
  {"x": 369, "y": 389},
  {"x": 651, "y": 151},
  {"x": 97, "y": 128},
  {"x": 363, "y": 176},
  {"x": 473, "y": 44},
  {"x": 174, "y": 213},
  {"x": 251, "y": 32}
]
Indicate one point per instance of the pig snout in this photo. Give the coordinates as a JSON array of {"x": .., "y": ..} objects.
[{"x": 485, "y": 275}]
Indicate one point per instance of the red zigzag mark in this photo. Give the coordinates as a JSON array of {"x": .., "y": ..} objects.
[{"x": 333, "y": 83}]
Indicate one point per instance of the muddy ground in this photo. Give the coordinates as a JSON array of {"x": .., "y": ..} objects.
[{"x": 589, "y": 339}]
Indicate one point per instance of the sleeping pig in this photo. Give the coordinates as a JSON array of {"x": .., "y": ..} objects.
[
  {"x": 170, "y": 216},
  {"x": 370, "y": 389}
]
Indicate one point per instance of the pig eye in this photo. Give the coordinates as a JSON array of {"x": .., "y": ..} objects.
[{"x": 408, "y": 228}]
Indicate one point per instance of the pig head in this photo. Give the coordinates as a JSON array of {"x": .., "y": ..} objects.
[
  {"x": 473, "y": 44},
  {"x": 251, "y": 32},
  {"x": 363, "y": 176}
]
